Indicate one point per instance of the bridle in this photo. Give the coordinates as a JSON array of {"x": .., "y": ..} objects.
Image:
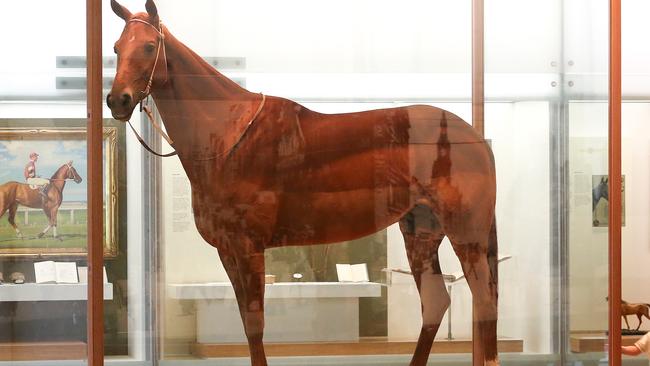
[
  {"x": 161, "y": 45},
  {"x": 147, "y": 91}
]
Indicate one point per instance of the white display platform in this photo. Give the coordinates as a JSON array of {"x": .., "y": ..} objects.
[
  {"x": 294, "y": 312},
  {"x": 49, "y": 292}
]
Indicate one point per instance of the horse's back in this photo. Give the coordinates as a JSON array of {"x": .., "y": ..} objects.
[
  {"x": 369, "y": 168},
  {"x": 21, "y": 193},
  {"x": 9, "y": 187},
  {"x": 381, "y": 148}
]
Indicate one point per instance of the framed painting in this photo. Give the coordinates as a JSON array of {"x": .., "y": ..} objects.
[
  {"x": 43, "y": 192},
  {"x": 600, "y": 200}
]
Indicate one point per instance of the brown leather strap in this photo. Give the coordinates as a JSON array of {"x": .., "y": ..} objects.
[{"x": 144, "y": 144}]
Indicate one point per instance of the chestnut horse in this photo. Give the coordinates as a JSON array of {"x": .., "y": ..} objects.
[
  {"x": 267, "y": 172},
  {"x": 13, "y": 194}
]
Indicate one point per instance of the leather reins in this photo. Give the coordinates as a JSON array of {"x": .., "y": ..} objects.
[{"x": 147, "y": 91}]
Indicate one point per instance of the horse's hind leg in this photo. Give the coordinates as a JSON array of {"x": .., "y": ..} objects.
[
  {"x": 476, "y": 249},
  {"x": 2, "y": 209},
  {"x": 12, "y": 219},
  {"x": 422, "y": 235}
]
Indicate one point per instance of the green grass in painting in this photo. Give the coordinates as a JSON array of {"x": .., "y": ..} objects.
[{"x": 72, "y": 233}]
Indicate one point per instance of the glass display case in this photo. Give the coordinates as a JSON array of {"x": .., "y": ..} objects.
[{"x": 264, "y": 102}]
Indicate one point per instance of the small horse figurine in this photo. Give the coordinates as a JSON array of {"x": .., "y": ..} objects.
[
  {"x": 267, "y": 172},
  {"x": 13, "y": 194},
  {"x": 634, "y": 309}
]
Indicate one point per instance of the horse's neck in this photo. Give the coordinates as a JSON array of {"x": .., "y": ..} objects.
[
  {"x": 59, "y": 178},
  {"x": 200, "y": 107}
]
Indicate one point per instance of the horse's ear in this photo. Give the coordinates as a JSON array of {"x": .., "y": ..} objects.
[
  {"x": 152, "y": 11},
  {"x": 121, "y": 11},
  {"x": 70, "y": 163}
]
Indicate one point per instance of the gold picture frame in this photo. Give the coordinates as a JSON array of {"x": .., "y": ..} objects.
[{"x": 58, "y": 145}]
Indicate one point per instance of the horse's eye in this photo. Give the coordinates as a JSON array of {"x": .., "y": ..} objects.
[{"x": 149, "y": 47}]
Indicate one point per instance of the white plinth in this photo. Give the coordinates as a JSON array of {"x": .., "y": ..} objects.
[
  {"x": 294, "y": 312},
  {"x": 49, "y": 292}
]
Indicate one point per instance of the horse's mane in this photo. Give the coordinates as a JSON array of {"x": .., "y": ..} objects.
[
  {"x": 59, "y": 172},
  {"x": 199, "y": 62}
]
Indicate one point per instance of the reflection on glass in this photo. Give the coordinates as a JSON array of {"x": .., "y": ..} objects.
[{"x": 271, "y": 173}]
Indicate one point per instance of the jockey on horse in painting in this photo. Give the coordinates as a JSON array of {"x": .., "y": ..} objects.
[{"x": 34, "y": 181}]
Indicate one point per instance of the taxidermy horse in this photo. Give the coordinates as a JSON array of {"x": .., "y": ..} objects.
[
  {"x": 13, "y": 194},
  {"x": 634, "y": 309},
  {"x": 267, "y": 172}
]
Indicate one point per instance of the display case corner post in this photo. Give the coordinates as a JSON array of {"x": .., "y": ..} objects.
[
  {"x": 94, "y": 100},
  {"x": 478, "y": 66},
  {"x": 615, "y": 211}
]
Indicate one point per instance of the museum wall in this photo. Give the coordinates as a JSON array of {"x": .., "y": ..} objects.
[
  {"x": 636, "y": 233},
  {"x": 519, "y": 133},
  {"x": 332, "y": 57},
  {"x": 588, "y": 244},
  {"x": 523, "y": 233}
]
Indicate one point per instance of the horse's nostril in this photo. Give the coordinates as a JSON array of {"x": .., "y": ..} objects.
[
  {"x": 126, "y": 99},
  {"x": 108, "y": 101}
]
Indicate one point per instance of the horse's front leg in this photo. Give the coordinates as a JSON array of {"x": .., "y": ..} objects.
[
  {"x": 48, "y": 214},
  {"x": 245, "y": 269},
  {"x": 53, "y": 222},
  {"x": 626, "y": 323}
]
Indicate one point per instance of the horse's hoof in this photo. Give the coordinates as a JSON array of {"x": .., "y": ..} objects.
[{"x": 40, "y": 235}]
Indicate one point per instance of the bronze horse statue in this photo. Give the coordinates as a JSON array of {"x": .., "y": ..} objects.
[
  {"x": 13, "y": 194},
  {"x": 267, "y": 172},
  {"x": 639, "y": 310}
]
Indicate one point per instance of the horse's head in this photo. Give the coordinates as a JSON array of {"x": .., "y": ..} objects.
[
  {"x": 604, "y": 192},
  {"x": 141, "y": 61},
  {"x": 72, "y": 173}
]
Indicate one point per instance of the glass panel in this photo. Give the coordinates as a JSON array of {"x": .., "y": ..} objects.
[
  {"x": 255, "y": 171},
  {"x": 636, "y": 94},
  {"x": 586, "y": 65},
  {"x": 521, "y": 90},
  {"x": 43, "y": 185}
]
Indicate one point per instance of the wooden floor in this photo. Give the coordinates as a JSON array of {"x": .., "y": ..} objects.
[
  {"x": 595, "y": 342},
  {"x": 366, "y": 346},
  {"x": 42, "y": 351}
]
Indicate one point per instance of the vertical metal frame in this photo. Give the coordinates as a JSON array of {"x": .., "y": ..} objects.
[
  {"x": 94, "y": 102},
  {"x": 478, "y": 96},
  {"x": 151, "y": 192},
  {"x": 615, "y": 182},
  {"x": 478, "y": 67}
]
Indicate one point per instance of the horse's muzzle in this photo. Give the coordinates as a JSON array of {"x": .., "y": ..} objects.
[{"x": 121, "y": 106}]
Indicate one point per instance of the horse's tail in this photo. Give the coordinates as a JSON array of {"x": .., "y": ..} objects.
[{"x": 493, "y": 251}]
